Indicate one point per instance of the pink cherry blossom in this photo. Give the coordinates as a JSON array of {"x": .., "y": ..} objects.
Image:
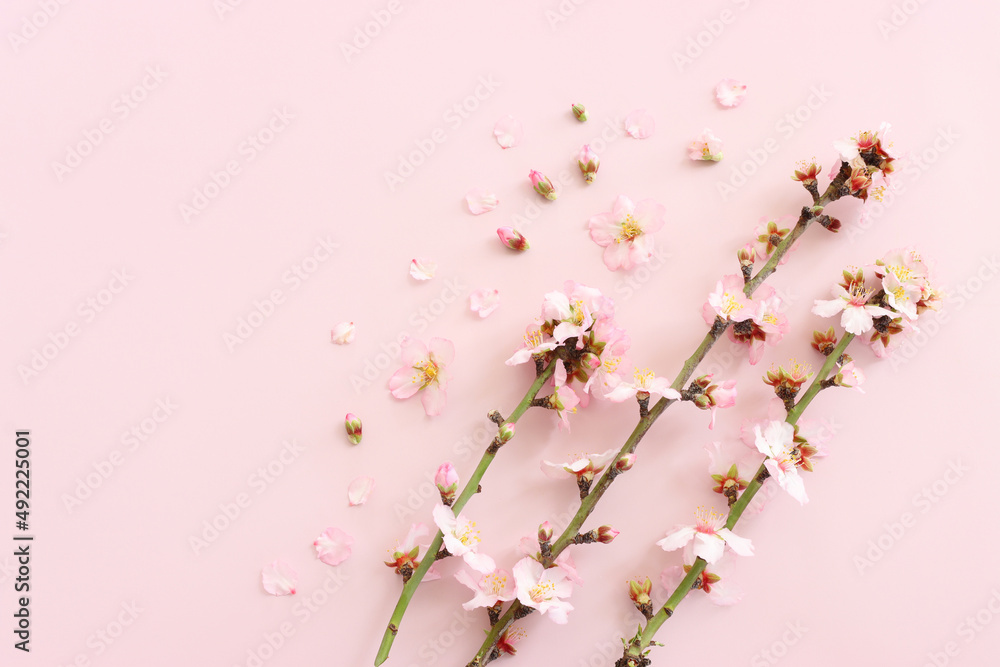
[
  {"x": 359, "y": 490},
  {"x": 729, "y": 302},
  {"x": 489, "y": 588},
  {"x": 508, "y": 132},
  {"x": 626, "y": 231},
  {"x": 424, "y": 370},
  {"x": 543, "y": 589},
  {"x": 706, "y": 147},
  {"x": 422, "y": 269},
  {"x": 766, "y": 327},
  {"x": 710, "y": 537},
  {"x": 564, "y": 401},
  {"x": 857, "y": 314},
  {"x": 777, "y": 442},
  {"x": 640, "y": 124},
  {"x": 851, "y": 376},
  {"x": 404, "y": 556},
  {"x": 535, "y": 342},
  {"x": 585, "y": 466},
  {"x": 333, "y": 546},
  {"x": 279, "y": 578},
  {"x": 461, "y": 538},
  {"x": 644, "y": 382},
  {"x": 730, "y": 93},
  {"x": 480, "y": 201},
  {"x": 343, "y": 333},
  {"x": 484, "y": 301},
  {"x": 564, "y": 561},
  {"x": 715, "y": 581}
]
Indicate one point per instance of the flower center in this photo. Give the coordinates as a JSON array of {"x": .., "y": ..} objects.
[
  {"x": 429, "y": 372},
  {"x": 611, "y": 364},
  {"x": 707, "y": 520},
  {"x": 729, "y": 304},
  {"x": 770, "y": 319},
  {"x": 859, "y": 294},
  {"x": 630, "y": 229},
  {"x": 533, "y": 338},
  {"x": 494, "y": 583},
  {"x": 901, "y": 272},
  {"x": 541, "y": 591},
  {"x": 643, "y": 378},
  {"x": 468, "y": 534}
]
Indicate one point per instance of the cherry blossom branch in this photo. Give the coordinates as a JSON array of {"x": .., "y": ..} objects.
[
  {"x": 635, "y": 653},
  {"x": 471, "y": 488},
  {"x": 648, "y": 416}
]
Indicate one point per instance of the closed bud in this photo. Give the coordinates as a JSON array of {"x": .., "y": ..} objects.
[
  {"x": 606, "y": 534},
  {"x": 590, "y": 360},
  {"x": 589, "y": 163},
  {"x": 747, "y": 255},
  {"x": 638, "y": 592},
  {"x": 506, "y": 432},
  {"x": 446, "y": 480},
  {"x": 625, "y": 463},
  {"x": 542, "y": 185},
  {"x": 545, "y": 532},
  {"x": 580, "y": 112},
  {"x": 353, "y": 425},
  {"x": 513, "y": 239}
]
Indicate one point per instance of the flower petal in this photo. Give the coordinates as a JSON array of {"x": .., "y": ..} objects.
[
  {"x": 640, "y": 124},
  {"x": 434, "y": 400},
  {"x": 677, "y": 538},
  {"x": 333, "y": 546},
  {"x": 422, "y": 268},
  {"x": 359, "y": 490},
  {"x": 480, "y": 201},
  {"x": 279, "y": 578},
  {"x": 508, "y": 132},
  {"x": 484, "y": 301},
  {"x": 343, "y": 333}
]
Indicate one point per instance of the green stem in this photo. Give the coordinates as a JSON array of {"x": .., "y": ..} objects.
[
  {"x": 687, "y": 370},
  {"x": 637, "y": 648},
  {"x": 471, "y": 488}
]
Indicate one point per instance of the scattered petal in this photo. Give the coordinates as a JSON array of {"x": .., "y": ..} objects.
[
  {"x": 279, "y": 578},
  {"x": 333, "y": 546},
  {"x": 422, "y": 268},
  {"x": 730, "y": 93},
  {"x": 359, "y": 490},
  {"x": 640, "y": 124},
  {"x": 484, "y": 301},
  {"x": 508, "y": 132},
  {"x": 480, "y": 201},
  {"x": 706, "y": 146},
  {"x": 343, "y": 333}
]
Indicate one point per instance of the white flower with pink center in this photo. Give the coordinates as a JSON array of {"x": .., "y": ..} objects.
[
  {"x": 857, "y": 314},
  {"x": 626, "y": 231},
  {"x": 424, "y": 370},
  {"x": 543, "y": 589},
  {"x": 729, "y": 301},
  {"x": 776, "y": 441},
  {"x": 706, "y": 147},
  {"x": 646, "y": 385},
  {"x": 461, "y": 538},
  {"x": 710, "y": 537},
  {"x": 535, "y": 342},
  {"x": 489, "y": 588},
  {"x": 574, "y": 310}
]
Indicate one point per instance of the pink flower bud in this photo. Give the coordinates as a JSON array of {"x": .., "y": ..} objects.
[
  {"x": 747, "y": 255},
  {"x": 446, "y": 480},
  {"x": 513, "y": 239},
  {"x": 589, "y": 162},
  {"x": 591, "y": 361},
  {"x": 639, "y": 591},
  {"x": 625, "y": 463},
  {"x": 606, "y": 534},
  {"x": 353, "y": 425},
  {"x": 543, "y": 185},
  {"x": 506, "y": 432},
  {"x": 545, "y": 532},
  {"x": 580, "y": 112}
]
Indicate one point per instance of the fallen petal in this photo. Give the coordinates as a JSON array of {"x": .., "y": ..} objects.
[
  {"x": 359, "y": 490},
  {"x": 279, "y": 578},
  {"x": 480, "y": 201},
  {"x": 333, "y": 546},
  {"x": 343, "y": 333},
  {"x": 508, "y": 132},
  {"x": 422, "y": 269},
  {"x": 730, "y": 93},
  {"x": 640, "y": 124},
  {"x": 484, "y": 301}
]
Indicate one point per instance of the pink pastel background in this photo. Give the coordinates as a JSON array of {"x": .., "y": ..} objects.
[{"x": 336, "y": 123}]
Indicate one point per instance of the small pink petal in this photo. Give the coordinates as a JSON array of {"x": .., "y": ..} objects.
[
  {"x": 640, "y": 124},
  {"x": 730, "y": 93},
  {"x": 359, "y": 490},
  {"x": 422, "y": 268},
  {"x": 279, "y": 578},
  {"x": 484, "y": 301},
  {"x": 333, "y": 546},
  {"x": 480, "y": 201},
  {"x": 343, "y": 333},
  {"x": 508, "y": 132}
]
